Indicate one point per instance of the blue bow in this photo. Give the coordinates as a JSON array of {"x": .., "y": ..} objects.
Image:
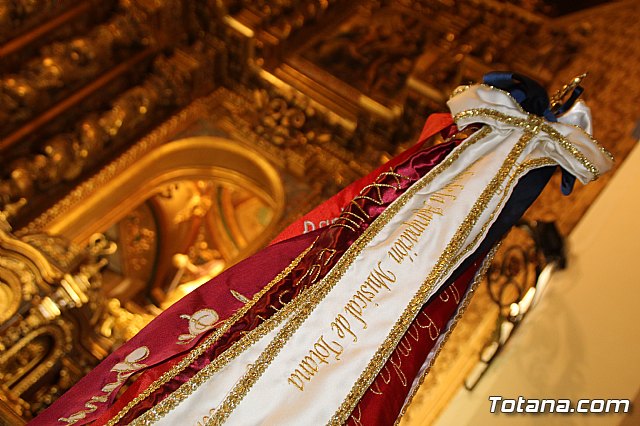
[{"x": 533, "y": 98}]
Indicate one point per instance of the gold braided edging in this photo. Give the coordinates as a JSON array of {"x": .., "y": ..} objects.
[
  {"x": 462, "y": 89},
  {"x": 533, "y": 124},
  {"x": 179, "y": 395},
  {"x": 201, "y": 348},
  {"x": 524, "y": 167},
  {"x": 238, "y": 393},
  {"x": 444, "y": 265},
  {"x": 307, "y": 304},
  {"x": 480, "y": 274}
]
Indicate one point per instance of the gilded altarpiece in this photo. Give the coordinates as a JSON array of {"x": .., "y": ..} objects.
[{"x": 148, "y": 145}]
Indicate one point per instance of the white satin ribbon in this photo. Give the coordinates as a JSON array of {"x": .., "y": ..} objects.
[
  {"x": 574, "y": 127},
  {"x": 455, "y": 227}
]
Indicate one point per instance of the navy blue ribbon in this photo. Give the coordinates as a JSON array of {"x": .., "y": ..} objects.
[{"x": 533, "y": 98}]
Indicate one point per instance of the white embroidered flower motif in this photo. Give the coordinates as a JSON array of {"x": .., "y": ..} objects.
[
  {"x": 124, "y": 370},
  {"x": 199, "y": 322}
]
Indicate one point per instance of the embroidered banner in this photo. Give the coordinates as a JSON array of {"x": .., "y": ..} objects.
[
  {"x": 328, "y": 212},
  {"x": 338, "y": 334}
]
